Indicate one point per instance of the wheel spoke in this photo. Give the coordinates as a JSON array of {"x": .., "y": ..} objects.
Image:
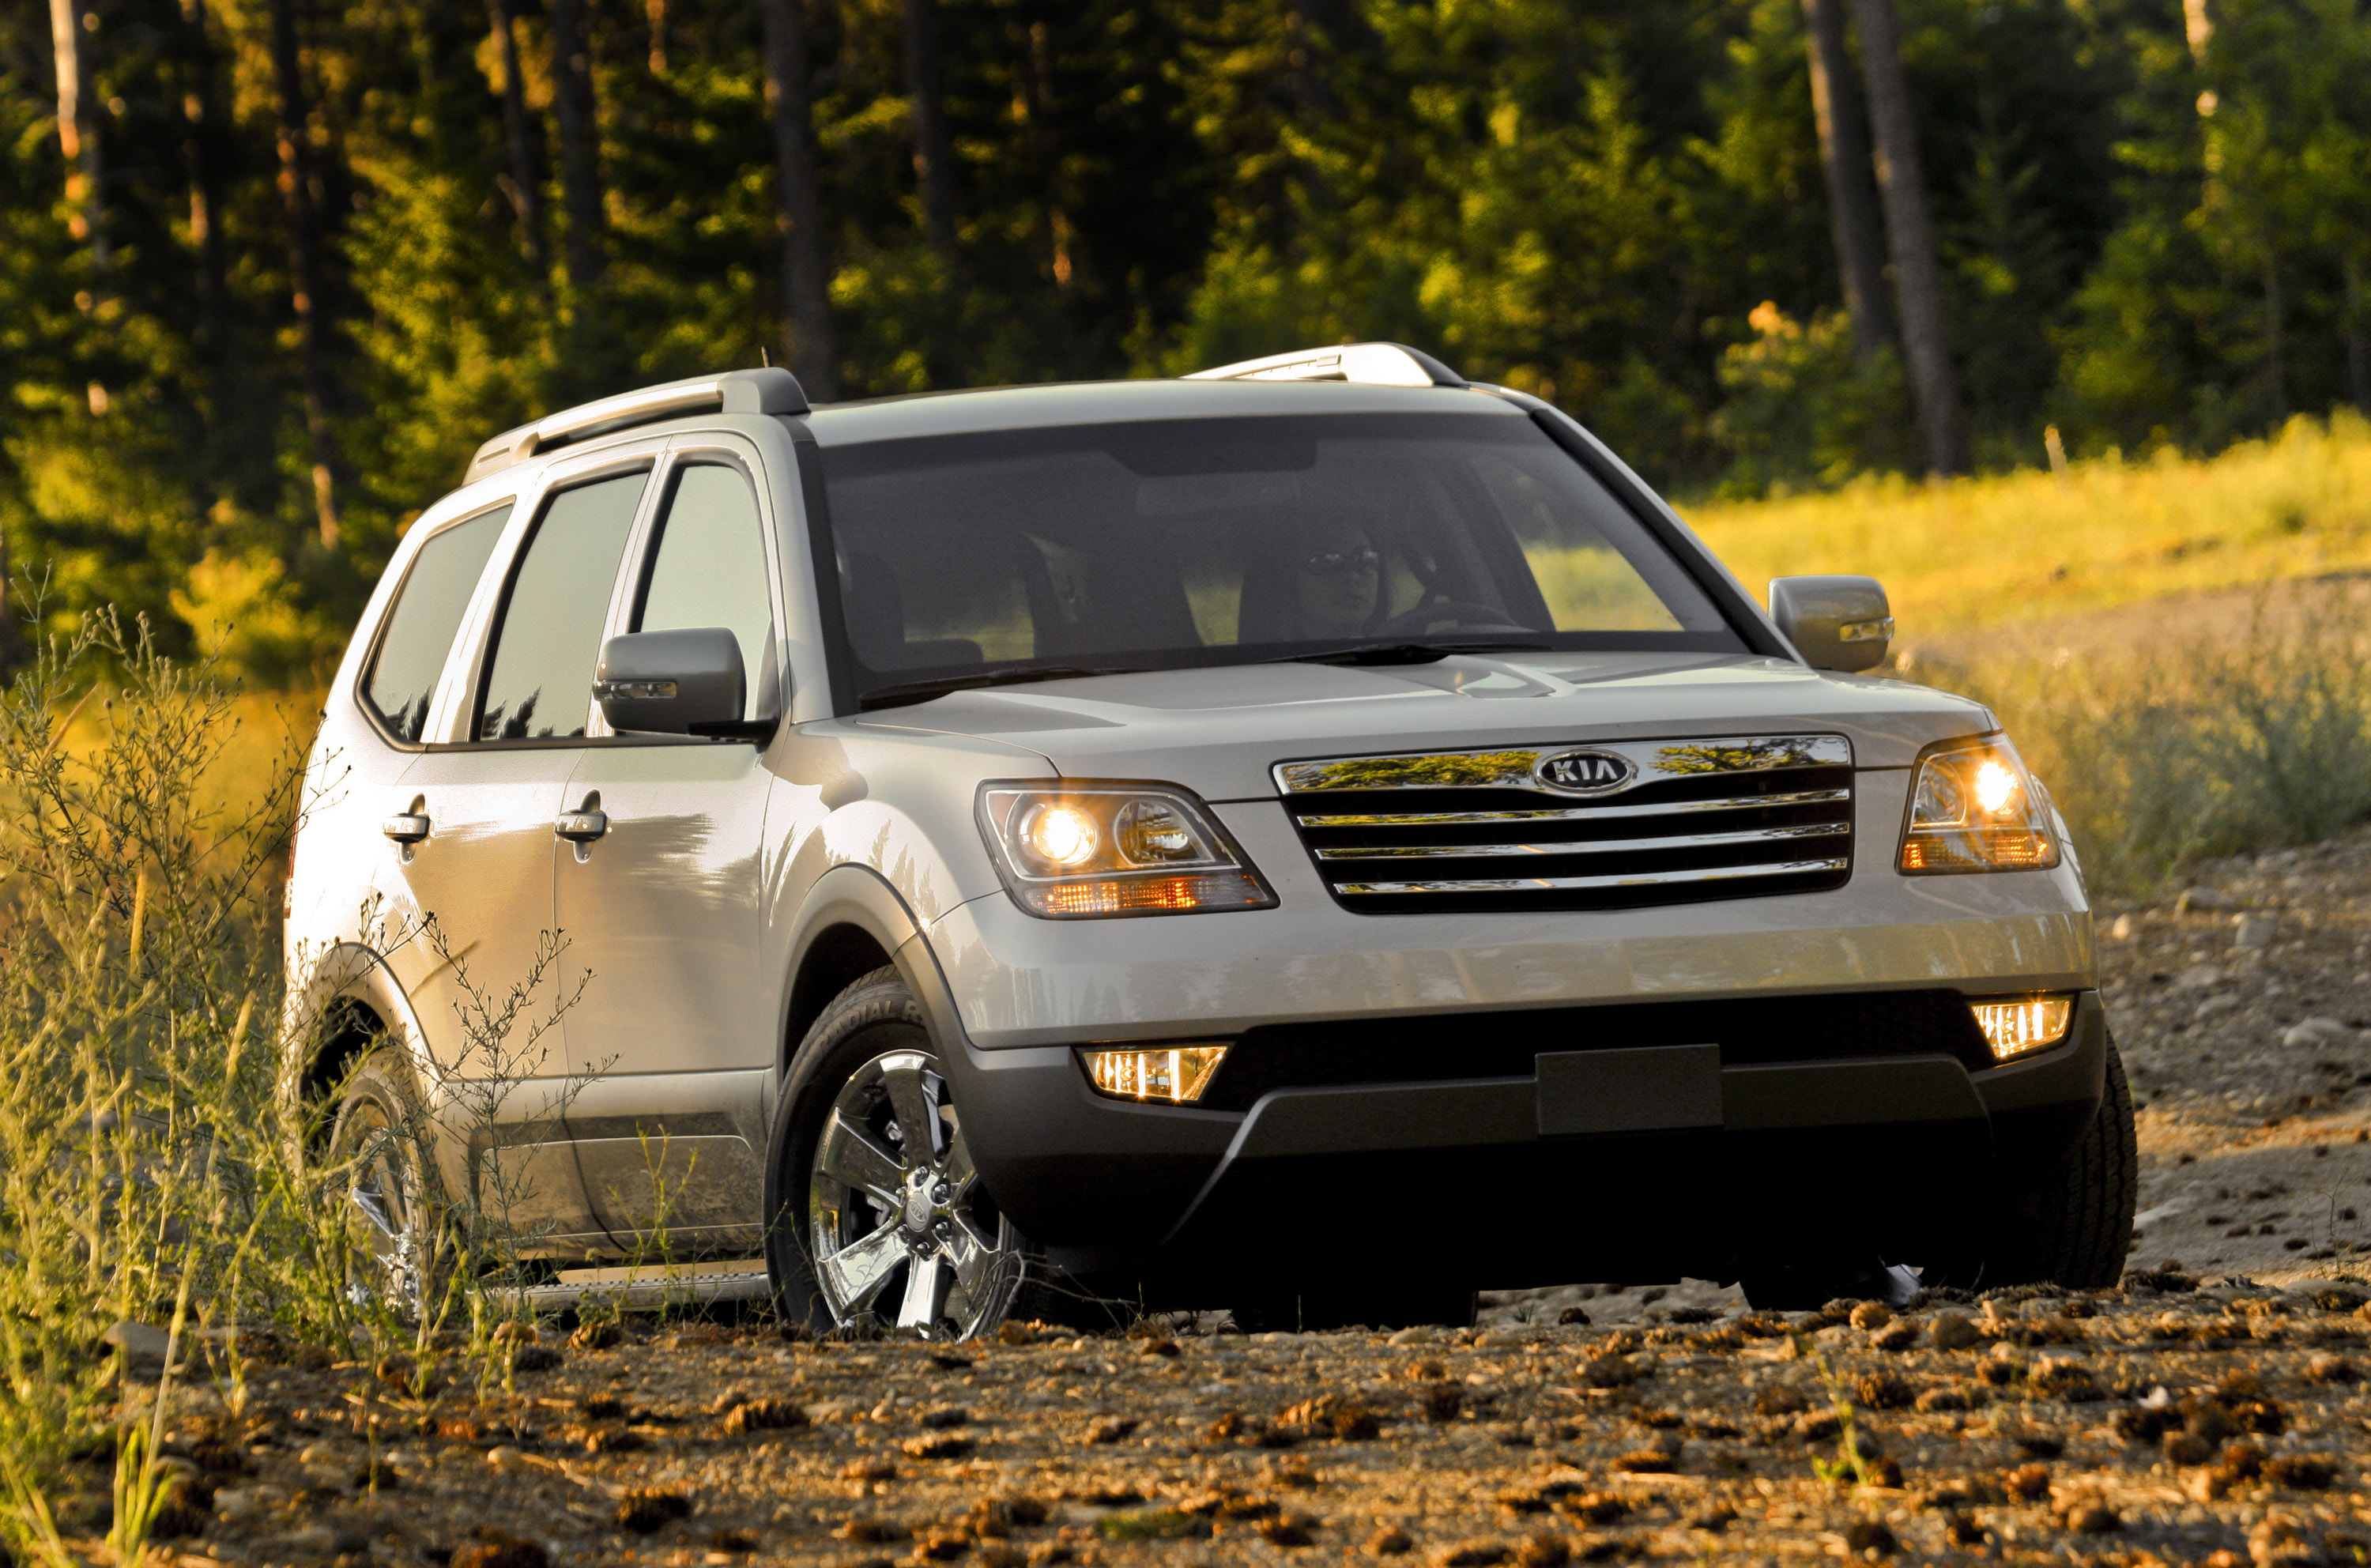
[
  {"x": 911, "y": 1097},
  {"x": 849, "y": 1155},
  {"x": 925, "y": 1293},
  {"x": 374, "y": 1208},
  {"x": 960, "y": 1173},
  {"x": 854, "y": 1275},
  {"x": 971, "y": 1253}
]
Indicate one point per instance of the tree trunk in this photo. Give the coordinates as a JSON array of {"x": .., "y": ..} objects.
[
  {"x": 526, "y": 189},
  {"x": 934, "y": 159},
  {"x": 2358, "y": 359},
  {"x": 202, "y": 149},
  {"x": 77, "y": 135},
  {"x": 2275, "y": 344},
  {"x": 580, "y": 151},
  {"x": 1917, "y": 277},
  {"x": 806, "y": 270},
  {"x": 1852, "y": 198},
  {"x": 307, "y": 276},
  {"x": 1041, "y": 145}
]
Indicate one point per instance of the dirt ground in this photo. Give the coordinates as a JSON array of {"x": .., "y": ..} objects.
[{"x": 2212, "y": 1410}]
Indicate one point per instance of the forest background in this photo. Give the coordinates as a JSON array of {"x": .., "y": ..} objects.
[{"x": 271, "y": 269}]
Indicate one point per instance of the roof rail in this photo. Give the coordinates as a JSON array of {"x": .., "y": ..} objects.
[
  {"x": 1373, "y": 364},
  {"x": 769, "y": 391}
]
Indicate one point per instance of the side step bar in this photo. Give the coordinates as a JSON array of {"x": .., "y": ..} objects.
[{"x": 634, "y": 1288}]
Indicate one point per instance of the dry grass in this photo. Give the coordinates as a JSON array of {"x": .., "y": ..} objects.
[{"x": 2029, "y": 545}]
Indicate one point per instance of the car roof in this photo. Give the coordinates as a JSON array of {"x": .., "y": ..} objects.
[{"x": 1104, "y": 402}]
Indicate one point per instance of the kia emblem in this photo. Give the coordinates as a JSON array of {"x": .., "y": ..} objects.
[{"x": 1586, "y": 772}]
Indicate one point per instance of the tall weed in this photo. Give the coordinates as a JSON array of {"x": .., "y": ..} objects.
[{"x": 2167, "y": 752}]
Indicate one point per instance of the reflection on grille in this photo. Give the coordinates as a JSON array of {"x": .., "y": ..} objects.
[{"x": 1618, "y": 825}]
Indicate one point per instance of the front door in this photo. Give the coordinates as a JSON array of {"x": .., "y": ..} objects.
[
  {"x": 675, "y": 1030},
  {"x": 489, "y": 978}
]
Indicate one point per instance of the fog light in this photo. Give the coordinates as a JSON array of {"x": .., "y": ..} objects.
[
  {"x": 2019, "y": 1026},
  {"x": 1171, "y": 1073}
]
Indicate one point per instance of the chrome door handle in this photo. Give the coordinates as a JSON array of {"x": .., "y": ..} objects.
[
  {"x": 406, "y": 828},
  {"x": 581, "y": 828}
]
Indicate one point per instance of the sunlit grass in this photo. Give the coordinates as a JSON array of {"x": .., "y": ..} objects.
[{"x": 1985, "y": 552}]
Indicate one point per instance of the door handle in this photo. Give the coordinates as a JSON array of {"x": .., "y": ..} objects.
[
  {"x": 581, "y": 828},
  {"x": 406, "y": 828}
]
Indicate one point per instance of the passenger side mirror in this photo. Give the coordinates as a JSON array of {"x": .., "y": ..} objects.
[
  {"x": 1837, "y": 623},
  {"x": 677, "y": 683}
]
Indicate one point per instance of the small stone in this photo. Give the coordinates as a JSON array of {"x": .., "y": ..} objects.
[
  {"x": 596, "y": 1336},
  {"x": 2252, "y": 931},
  {"x": 1895, "y": 1337},
  {"x": 1414, "y": 1335},
  {"x": 941, "y": 1446},
  {"x": 500, "y": 1549},
  {"x": 507, "y": 1459},
  {"x": 1471, "y": 1554},
  {"x": 2317, "y": 1033},
  {"x": 1389, "y": 1541},
  {"x": 2122, "y": 931},
  {"x": 1871, "y": 1538},
  {"x": 1952, "y": 1330},
  {"x": 2328, "y": 1368},
  {"x": 1110, "y": 1429},
  {"x": 2093, "y": 1518},
  {"x": 2204, "y": 899},
  {"x": 1871, "y": 1316},
  {"x": 1572, "y": 1317},
  {"x": 763, "y": 1415},
  {"x": 2027, "y": 1484},
  {"x": 517, "y": 1331},
  {"x": 645, "y": 1510}
]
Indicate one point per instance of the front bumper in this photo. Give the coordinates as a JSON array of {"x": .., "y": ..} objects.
[{"x": 1481, "y": 1176}]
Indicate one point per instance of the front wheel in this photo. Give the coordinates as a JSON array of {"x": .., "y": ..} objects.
[
  {"x": 2071, "y": 1223},
  {"x": 378, "y": 1155},
  {"x": 876, "y": 1215}
]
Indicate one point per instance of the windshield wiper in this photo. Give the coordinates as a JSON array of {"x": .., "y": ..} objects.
[
  {"x": 922, "y": 691},
  {"x": 1407, "y": 652}
]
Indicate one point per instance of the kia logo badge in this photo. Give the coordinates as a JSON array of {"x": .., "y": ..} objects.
[{"x": 1586, "y": 772}]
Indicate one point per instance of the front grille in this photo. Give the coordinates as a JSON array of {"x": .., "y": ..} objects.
[
  {"x": 1624, "y": 825},
  {"x": 1749, "y": 1030}
]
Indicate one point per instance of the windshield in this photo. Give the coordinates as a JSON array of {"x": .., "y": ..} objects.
[{"x": 1163, "y": 544}]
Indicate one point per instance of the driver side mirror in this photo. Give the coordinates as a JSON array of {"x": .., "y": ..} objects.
[
  {"x": 1837, "y": 623},
  {"x": 677, "y": 683}
]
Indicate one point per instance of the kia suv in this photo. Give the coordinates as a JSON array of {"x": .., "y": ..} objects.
[{"x": 1312, "y": 838}]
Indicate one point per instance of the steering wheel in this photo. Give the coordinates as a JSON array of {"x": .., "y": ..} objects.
[{"x": 1464, "y": 613}]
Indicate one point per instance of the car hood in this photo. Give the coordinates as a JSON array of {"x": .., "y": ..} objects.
[{"x": 1219, "y": 730}]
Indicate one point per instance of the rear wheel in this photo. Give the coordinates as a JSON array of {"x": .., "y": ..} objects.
[
  {"x": 378, "y": 1147},
  {"x": 877, "y": 1216}
]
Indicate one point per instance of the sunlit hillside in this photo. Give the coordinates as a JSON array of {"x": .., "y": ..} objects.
[{"x": 2031, "y": 545}]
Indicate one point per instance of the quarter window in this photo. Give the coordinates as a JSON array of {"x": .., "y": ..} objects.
[
  {"x": 425, "y": 619},
  {"x": 540, "y": 679},
  {"x": 708, "y": 568}
]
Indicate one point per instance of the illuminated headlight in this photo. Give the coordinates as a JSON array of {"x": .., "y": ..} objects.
[
  {"x": 1973, "y": 807},
  {"x": 1085, "y": 851},
  {"x": 1176, "y": 1074},
  {"x": 2019, "y": 1026}
]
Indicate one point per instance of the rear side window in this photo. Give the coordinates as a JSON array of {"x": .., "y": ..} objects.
[
  {"x": 710, "y": 570},
  {"x": 539, "y": 680},
  {"x": 425, "y": 619}
]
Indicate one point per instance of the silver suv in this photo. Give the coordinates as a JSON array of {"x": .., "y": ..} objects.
[{"x": 1313, "y": 837}]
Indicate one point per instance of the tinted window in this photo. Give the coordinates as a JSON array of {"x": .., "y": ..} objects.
[
  {"x": 710, "y": 570},
  {"x": 548, "y": 638},
  {"x": 426, "y": 617},
  {"x": 1170, "y": 542}
]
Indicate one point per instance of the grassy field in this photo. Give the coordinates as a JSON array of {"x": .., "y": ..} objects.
[{"x": 1979, "y": 553}]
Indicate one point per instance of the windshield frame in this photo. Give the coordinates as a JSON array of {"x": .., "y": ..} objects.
[{"x": 1742, "y": 631}]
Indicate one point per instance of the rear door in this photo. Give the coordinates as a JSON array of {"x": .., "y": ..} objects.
[
  {"x": 677, "y": 1032},
  {"x": 489, "y": 977}
]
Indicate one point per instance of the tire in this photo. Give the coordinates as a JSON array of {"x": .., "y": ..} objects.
[
  {"x": 378, "y": 1145},
  {"x": 2073, "y": 1224},
  {"x": 868, "y": 1229},
  {"x": 1383, "y": 1307}
]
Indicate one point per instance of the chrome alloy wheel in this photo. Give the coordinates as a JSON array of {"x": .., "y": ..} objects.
[
  {"x": 899, "y": 1232},
  {"x": 383, "y": 1195}
]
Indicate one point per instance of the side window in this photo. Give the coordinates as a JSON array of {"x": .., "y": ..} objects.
[
  {"x": 539, "y": 680},
  {"x": 709, "y": 568},
  {"x": 426, "y": 617}
]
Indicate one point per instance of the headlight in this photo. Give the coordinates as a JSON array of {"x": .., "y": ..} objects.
[
  {"x": 1077, "y": 851},
  {"x": 1974, "y": 808},
  {"x": 2019, "y": 1026}
]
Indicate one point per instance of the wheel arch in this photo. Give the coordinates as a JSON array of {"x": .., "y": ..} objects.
[
  {"x": 348, "y": 998},
  {"x": 852, "y": 923}
]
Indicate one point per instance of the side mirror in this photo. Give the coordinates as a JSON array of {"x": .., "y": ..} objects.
[
  {"x": 1838, "y": 623},
  {"x": 674, "y": 683}
]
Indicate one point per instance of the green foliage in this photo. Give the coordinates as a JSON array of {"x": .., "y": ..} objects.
[{"x": 1587, "y": 199}]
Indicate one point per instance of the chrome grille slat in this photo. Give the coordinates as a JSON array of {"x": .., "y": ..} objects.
[
  {"x": 1573, "y": 813},
  {"x": 1644, "y": 879},
  {"x": 1586, "y": 846},
  {"x": 1616, "y": 824}
]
